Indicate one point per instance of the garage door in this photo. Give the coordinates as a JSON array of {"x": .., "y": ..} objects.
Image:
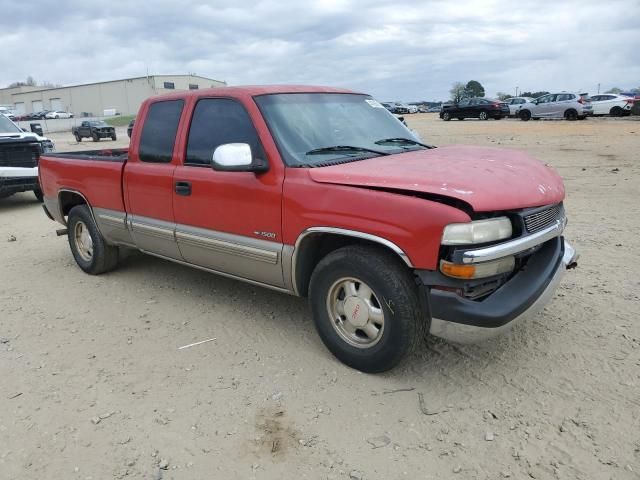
[
  {"x": 20, "y": 108},
  {"x": 56, "y": 104},
  {"x": 36, "y": 106}
]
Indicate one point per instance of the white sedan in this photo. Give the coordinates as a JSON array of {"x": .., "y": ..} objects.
[
  {"x": 59, "y": 114},
  {"x": 611, "y": 104},
  {"x": 515, "y": 103}
]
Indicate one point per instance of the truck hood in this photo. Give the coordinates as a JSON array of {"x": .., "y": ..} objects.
[
  {"x": 487, "y": 179},
  {"x": 21, "y": 136}
]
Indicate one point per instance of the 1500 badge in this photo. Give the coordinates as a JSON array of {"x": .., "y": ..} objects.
[{"x": 266, "y": 234}]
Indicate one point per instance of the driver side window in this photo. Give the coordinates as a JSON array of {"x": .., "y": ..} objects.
[{"x": 217, "y": 121}]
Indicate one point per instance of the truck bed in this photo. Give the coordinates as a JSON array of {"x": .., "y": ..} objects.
[
  {"x": 95, "y": 174},
  {"x": 104, "y": 155}
]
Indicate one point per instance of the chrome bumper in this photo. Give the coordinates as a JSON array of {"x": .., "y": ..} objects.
[{"x": 462, "y": 333}]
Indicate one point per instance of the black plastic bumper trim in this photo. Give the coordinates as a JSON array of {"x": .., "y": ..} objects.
[{"x": 510, "y": 300}]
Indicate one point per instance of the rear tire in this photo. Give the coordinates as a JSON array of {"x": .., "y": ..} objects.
[
  {"x": 366, "y": 307},
  {"x": 95, "y": 137},
  {"x": 78, "y": 138},
  {"x": 90, "y": 250},
  {"x": 483, "y": 115},
  {"x": 113, "y": 137},
  {"x": 525, "y": 115},
  {"x": 571, "y": 115},
  {"x": 616, "y": 112}
]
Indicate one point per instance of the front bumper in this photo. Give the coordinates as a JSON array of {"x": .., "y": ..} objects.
[{"x": 460, "y": 320}]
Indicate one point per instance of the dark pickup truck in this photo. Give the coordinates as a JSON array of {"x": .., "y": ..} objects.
[{"x": 95, "y": 129}]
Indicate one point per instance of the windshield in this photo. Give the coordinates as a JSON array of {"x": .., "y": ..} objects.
[
  {"x": 306, "y": 125},
  {"x": 98, "y": 124},
  {"x": 7, "y": 126}
]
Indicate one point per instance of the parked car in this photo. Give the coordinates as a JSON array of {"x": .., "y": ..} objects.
[
  {"x": 94, "y": 129},
  {"x": 611, "y": 104},
  {"x": 434, "y": 109},
  {"x": 59, "y": 114},
  {"x": 515, "y": 103},
  {"x": 477, "y": 107},
  {"x": 130, "y": 127},
  {"x": 19, "y": 156},
  {"x": 570, "y": 106},
  {"x": 459, "y": 241},
  {"x": 412, "y": 108}
]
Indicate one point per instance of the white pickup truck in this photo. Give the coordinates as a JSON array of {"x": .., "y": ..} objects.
[{"x": 19, "y": 155}]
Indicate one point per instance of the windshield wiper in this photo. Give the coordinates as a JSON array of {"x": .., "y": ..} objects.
[
  {"x": 401, "y": 140},
  {"x": 344, "y": 149}
]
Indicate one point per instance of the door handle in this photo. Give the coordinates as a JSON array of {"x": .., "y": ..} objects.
[{"x": 183, "y": 188}]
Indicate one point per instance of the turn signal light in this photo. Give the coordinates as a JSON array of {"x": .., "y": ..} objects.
[{"x": 457, "y": 271}]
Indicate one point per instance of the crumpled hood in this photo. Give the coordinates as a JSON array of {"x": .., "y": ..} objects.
[{"x": 488, "y": 179}]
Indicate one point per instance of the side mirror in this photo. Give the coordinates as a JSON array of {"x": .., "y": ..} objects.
[{"x": 236, "y": 157}]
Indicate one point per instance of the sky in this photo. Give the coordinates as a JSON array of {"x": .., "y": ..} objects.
[{"x": 394, "y": 50}]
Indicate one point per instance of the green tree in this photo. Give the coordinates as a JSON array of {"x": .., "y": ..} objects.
[
  {"x": 615, "y": 90},
  {"x": 473, "y": 89},
  {"x": 503, "y": 96},
  {"x": 457, "y": 92}
]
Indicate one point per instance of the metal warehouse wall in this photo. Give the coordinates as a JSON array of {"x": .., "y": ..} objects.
[{"x": 125, "y": 96}]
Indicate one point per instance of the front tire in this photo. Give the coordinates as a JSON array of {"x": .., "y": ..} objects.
[
  {"x": 483, "y": 115},
  {"x": 90, "y": 250},
  {"x": 365, "y": 307},
  {"x": 113, "y": 137},
  {"x": 78, "y": 138},
  {"x": 525, "y": 115},
  {"x": 95, "y": 137},
  {"x": 446, "y": 116}
]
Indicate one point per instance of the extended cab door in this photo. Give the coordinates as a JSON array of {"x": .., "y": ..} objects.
[
  {"x": 228, "y": 221},
  {"x": 148, "y": 180}
]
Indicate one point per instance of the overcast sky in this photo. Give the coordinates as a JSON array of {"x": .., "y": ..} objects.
[{"x": 395, "y": 50}]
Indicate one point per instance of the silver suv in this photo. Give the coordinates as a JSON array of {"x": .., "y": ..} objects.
[{"x": 571, "y": 106}]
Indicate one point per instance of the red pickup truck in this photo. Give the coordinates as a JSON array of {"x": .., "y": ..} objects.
[{"x": 321, "y": 192}]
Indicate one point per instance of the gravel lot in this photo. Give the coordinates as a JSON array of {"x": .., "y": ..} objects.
[{"x": 94, "y": 386}]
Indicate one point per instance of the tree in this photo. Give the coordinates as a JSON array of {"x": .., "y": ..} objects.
[
  {"x": 457, "y": 92},
  {"x": 473, "y": 89},
  {"x": 615, "y": 90},
  {"x": 503, "y": 96}
]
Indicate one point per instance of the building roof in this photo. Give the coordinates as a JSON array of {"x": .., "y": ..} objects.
[{"x": 44, "y": 89}]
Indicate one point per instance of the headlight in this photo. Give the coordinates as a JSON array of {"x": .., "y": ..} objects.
[
  {"x": 479, "y": 231},
  {"x": 478, "y": 270}
]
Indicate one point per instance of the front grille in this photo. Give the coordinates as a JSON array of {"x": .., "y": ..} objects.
[
  {"x": 543, "y": 218},
  {"x": 19, "y": 155}
]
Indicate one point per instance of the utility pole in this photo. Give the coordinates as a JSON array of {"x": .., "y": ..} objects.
[
  {"x": 598, "y": 88},
  {"x": 516, "y": 91}
]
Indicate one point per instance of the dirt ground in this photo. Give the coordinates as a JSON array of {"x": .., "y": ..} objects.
[{"x": 93, "y": 385}]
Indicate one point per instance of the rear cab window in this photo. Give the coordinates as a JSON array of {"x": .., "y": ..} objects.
[{"x": 159, "y": 131}]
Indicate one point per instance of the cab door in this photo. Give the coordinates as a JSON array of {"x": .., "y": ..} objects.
[
  {"x": 228, "y": 221},
  {"x": 148, "y": 180}
]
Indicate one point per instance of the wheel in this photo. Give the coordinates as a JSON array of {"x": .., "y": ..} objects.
[
  {"x": 446, "y": 116},
  {"x": 78, "y": 138},
  {"x": 365, "y": 307},
  {"x": 616, "y": 112},
  {"x": 113, "y": 137},
  {"x": 525, "y": 115},
  {"x": 38, "y": 193},
  {"x": 483, "y": 115},
  {"x": 571, "y": 115},
  {"x": 95, "y": 137},
  {"x": 92, "y": 254},
  {"x": 460, "y": 118}
]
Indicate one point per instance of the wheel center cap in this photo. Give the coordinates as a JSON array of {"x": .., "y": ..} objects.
[{"x": 356, "y": 311}]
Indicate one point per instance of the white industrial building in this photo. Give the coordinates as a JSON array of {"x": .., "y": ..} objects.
[{"x": 102, "y": 98}]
